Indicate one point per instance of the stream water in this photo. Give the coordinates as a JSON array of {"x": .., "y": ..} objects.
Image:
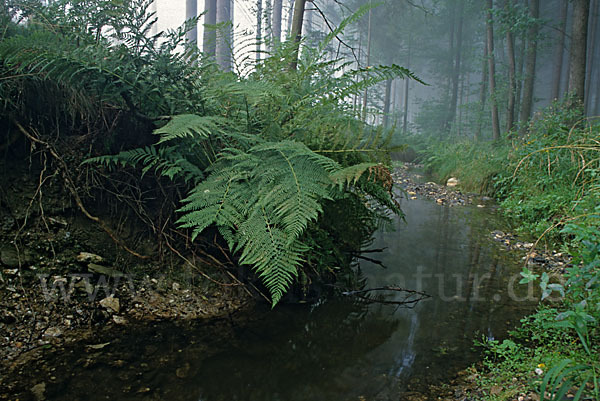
[{"x": 338, "y": 349}]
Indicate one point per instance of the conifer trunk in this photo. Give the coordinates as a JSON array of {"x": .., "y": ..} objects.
[
  {"x": 530, "y": 62},
  {"x": 577, "y": 61},
  {"x": 296, "y": 31},
  {"x": 492, "y": 71},
  {"x": 259, "y": 12},
  {"x": 276, "y": 21},
  {"x": 224, "y": 45},
  {"x": 512, "y": 83},
  {"x": 191, "y": 11},
  {"x": 209, "y": 40},
  {"x": 457, "y": 66},
  {"x": 559, "y": 51}
]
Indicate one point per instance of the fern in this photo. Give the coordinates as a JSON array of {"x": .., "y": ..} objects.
[
  {"x": 261, "y": 156},
  {"x": 266, "y": 197}
]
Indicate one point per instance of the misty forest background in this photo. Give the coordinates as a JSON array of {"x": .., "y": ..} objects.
[{"x": 535, "y": 50}]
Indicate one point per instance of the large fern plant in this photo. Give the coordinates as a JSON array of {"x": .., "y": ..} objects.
[{"x": 261, "y": 156}]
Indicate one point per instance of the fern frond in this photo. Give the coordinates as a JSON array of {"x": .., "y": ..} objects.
[
  {"x": 189, "y": 126},
  {"x": 263, "y": 199},
  {"x": 351, "y": 174}
]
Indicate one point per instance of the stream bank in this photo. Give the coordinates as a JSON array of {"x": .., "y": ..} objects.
[
  {"x": 394, "y": 354},
  {"x": 64, "y": 282}
]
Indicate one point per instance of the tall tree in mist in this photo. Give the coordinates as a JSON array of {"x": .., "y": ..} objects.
[
  {"x": 368, "y": 63},
  {"x": 482, "y": 90},
  {"x": 191, "y": 11},
  {"x": 406, "y": 86},
  {"x": 224, "y": 34},
  {"x": 276, "y": 21},
  {"x": 512, "y": 80},
  {"x": 577, "y": 61},
  {"x": 259, "y": 12},
  {"x": 559, "y": 49},
  {"x": 492, "y": 70},
  {"x": 530, "y": 61},
  {"x": 296, "y": 31},
  {"x": 591, "y": 52},
  {"x": 456, "y": 55},
  {"x": 209, "y": 40}
]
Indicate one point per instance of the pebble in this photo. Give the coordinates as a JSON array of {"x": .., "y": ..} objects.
[{"x": 111, "y": 303}]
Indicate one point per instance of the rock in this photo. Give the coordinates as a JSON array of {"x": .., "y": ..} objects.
[
  {"x": 53, "y": 332},
  {"x": 11, "y": 258},
  {"x": 89, "y": 257},
  {"x": 39, "y": 391},
  {"x": 97, "y": 346},
  {"x": 111, "y": 303},
  {"x": 452, "y": 182},
  {"x": 119, "y": 319},
  {"x": 99, "y": 269}
]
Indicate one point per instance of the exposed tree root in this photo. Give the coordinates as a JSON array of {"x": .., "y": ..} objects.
[{"x": 72, "y": 189}]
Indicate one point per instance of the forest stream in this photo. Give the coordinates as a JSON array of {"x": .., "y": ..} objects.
[{"x": 337, "y": 349}]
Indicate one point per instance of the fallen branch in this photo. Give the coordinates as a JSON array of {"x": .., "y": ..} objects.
[{"x": 420, "y": 295}]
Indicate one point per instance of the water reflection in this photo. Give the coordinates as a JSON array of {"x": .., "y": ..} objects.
[{"x": 339, "y": 349}]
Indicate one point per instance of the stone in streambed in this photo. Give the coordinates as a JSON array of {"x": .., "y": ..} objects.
[
  {"x": 452, "y": 182},
  {"x": 111, "y": 303},
  {"x": 39, "y": 391}
]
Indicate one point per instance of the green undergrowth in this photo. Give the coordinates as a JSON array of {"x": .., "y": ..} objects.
[
  {"x": 543, "y": 180},
  {"x": 556, "y": 351}
]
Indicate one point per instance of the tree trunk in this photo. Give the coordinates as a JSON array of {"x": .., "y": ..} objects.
[
  {"x": 492, "y": 71},
  {"x": 591, "y": 51},
  {"x": 512, "y": 82},
  {"x": 308, "y": 22},
  {"x": 191, "y": 11},
  {"x": 482, "y": 90},
  {"x": 520, "y": 65},
  {"x": 259, "y": 11},
  {"x": 386, "y": 103},
  {"x": 288, "y": 31},
  {"x": 581, "y": 11},
  {"x": 276, "y": 21},
  {"x": 456, "y": 68},
  {"x": 267, "y": 16},
  {"x": 224, "y": 45},
  {"x": 559, "y": 50},
  {"x": 530, "y": 61},
  {"x": 406, "y": 86},
  {"x": 366, "y": 93},
  {"x": 296, "y": 32},
  {"x": 209, "y": 40}
]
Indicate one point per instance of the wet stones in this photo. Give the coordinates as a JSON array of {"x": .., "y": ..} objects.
[
  {"x": 446, "y": 195},
  {"x": 548, "y": 260}
]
